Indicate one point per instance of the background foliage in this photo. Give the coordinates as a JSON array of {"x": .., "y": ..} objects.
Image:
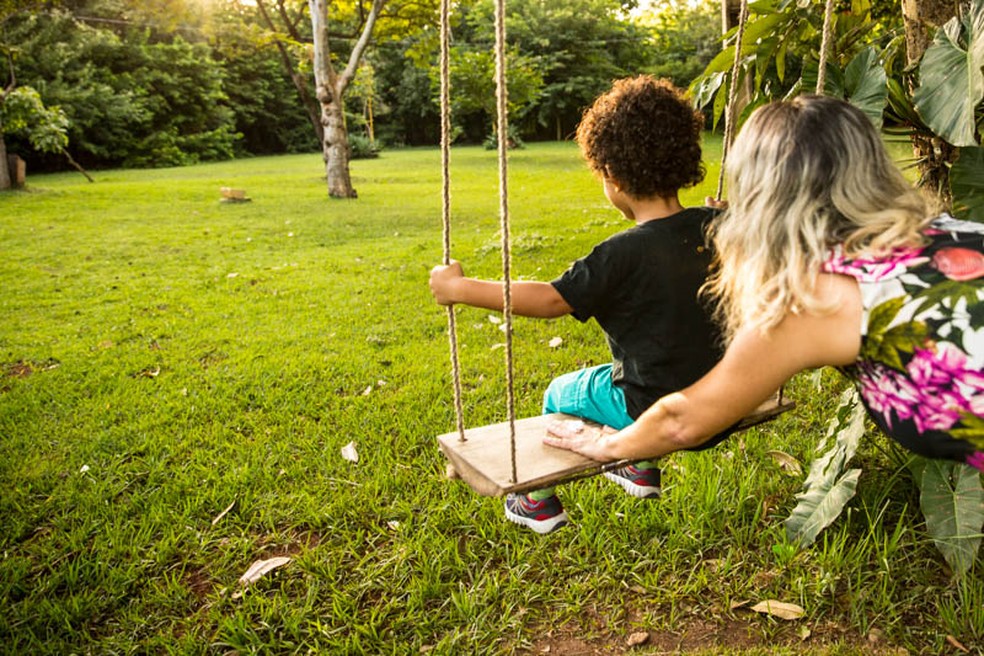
[{"x": 176, "y": 82}]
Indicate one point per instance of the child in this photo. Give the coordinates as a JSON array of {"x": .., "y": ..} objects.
[
  {"x": 829, "y": 257},
  {"x": 642, "y": 138}
]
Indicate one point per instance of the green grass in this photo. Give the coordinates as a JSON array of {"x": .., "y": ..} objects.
[{"x": 165, "y": 356}]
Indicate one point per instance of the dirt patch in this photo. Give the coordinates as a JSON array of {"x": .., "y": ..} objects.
[
  {"x": 23, "y": 369},
  {"x": 700, "y": 636}
]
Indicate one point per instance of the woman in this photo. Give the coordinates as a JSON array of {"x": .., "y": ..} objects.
[{"x": 827, "y": 256}]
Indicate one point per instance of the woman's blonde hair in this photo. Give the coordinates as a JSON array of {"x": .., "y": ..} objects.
[{"x": 804, "y": 175}]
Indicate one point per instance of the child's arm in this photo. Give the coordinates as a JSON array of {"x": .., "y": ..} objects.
[{"x": 529, "y": 299}]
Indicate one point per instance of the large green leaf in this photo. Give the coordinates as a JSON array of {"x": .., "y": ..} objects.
[
  {"x": 951, "y": 78},
  {"x": 828, "y": 487},
  {"x": 819, "y": 506},
  {"x": 967, "y": 184},
  {"x": 952, "y": 501},
  {"x": 865, "y": 84}
]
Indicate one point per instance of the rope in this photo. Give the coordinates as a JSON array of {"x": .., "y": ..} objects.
[
  {"x": 502, "y": 127},
  {"x": 729, "y": 113},
  {"x": 828, "y": 21},
  {"x": 446, "y": 205},
  {"x": 730, "y": 119}
]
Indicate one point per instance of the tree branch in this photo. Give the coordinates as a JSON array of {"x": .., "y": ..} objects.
[
  {"x": 78, "y": 167},
  {"x": 13, "y": 76},
  {"x": 310, "y": 105},
  {"x": 360, "y": 47},
  {"x": 290, "y": 23}
]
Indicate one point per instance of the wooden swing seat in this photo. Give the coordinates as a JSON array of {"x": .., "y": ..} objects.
[{"x": 484, "y": 461}]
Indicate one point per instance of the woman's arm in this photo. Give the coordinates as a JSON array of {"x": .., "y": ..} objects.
[
  {"x": 529, "y": 299},
  {"x": 753, "y": 368}
]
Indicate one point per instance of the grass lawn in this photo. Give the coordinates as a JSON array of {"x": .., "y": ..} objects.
[{"x": 178, "y": 378}]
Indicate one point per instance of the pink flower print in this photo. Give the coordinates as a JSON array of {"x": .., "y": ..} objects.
[
  {"x": 873, "y": 269},
  {"x": 946, "y": 386},
  {"x": 937, "y": 410},
  {"x": 976, "y": 459},
  {"x": 936, "y": 387},
  {"x": 959, "y": 264},
  {"x": 977, "y": 403},
  {"x": 886, "y": 391}
]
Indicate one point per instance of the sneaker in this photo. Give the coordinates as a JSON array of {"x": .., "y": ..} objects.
[
  {"x": 540, "y": 516},
  {"x": 641, "y": 483}
]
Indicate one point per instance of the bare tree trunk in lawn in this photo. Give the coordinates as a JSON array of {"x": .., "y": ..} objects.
[{"x": 330, "y": 91}]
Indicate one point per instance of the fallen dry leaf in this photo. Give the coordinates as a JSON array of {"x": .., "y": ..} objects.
[
  {"x": 637, "y": 638},
  {"x": 262, "y": 567},
  {"x": 957, "y": 644},
  {"x": 149, "y": 372},
  {"x": 349, "y": 452},
  {"x": 218, "y": 518},
  {"x": 779, "y": 609},
  {"x": 787, "y": 463}
]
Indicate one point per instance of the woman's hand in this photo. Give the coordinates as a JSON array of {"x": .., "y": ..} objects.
[
  {"x": 575, "y": 435},
  {"x": 443, "y": 278}
]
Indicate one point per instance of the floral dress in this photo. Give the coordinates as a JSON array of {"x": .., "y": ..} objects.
[{"x": 922, "y": 340}]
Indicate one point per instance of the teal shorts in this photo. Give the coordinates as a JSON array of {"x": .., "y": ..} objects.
[{"x": 590, "y": 394}]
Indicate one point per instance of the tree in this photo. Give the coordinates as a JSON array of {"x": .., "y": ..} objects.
[
  {"x": 686, "y": 36},
  {"x": 473, "y": 84},
  {"x": 21, "y": 110},
  {"x": 931, "y": 96},
  {"x": 134, "y": 97},
  {"x": 579, "y": 47},
  {"x": 330, "y": 88},
  {"x": 341, "y": 33}
]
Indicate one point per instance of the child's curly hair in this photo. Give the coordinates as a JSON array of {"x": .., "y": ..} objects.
[{"x": 645, "y": 134}]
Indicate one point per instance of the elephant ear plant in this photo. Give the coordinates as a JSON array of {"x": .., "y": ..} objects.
[
  {"x": 947, "y": 106},
  {"x": 951, "y": 497},
  {"x": 938, "y": 106}
]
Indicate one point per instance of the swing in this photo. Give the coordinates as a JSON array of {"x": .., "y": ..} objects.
[{"x": 478, "y": 455}]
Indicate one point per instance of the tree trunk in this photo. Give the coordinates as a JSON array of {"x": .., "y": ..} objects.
[
  {"x": 933, "y": 153},
  {"x": 330, "y": 91},
  {"x": 335, "y": 147},
  {"x": 920, "y": 16},
  {"x": 730, "y": 15},
  {"x": 5, "y": 182}
]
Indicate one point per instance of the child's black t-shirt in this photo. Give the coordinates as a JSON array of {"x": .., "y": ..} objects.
[{"x": 641, "y": 285}]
